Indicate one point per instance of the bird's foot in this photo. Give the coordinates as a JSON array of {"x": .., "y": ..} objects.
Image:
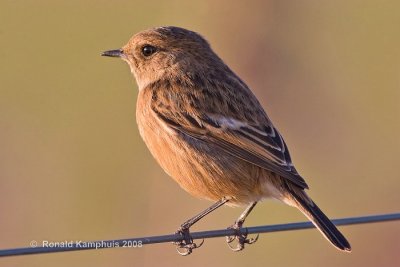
[
  {"x": 240, "y": 237},
  {"x": 186, "y": 245}
]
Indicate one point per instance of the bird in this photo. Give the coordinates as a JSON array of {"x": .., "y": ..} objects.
[{"x": 208, "y": 131}]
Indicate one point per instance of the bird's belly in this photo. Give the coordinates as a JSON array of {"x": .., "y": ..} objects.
[{"x": 204, "y": 170}]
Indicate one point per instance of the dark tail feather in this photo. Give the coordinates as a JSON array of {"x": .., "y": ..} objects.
[{"x": 324, "y": 225}]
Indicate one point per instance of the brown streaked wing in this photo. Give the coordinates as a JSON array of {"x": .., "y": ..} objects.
[{"x": 264, "y": 148}]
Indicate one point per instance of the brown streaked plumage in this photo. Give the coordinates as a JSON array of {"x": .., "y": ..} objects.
[{"x": 208, "y": 131}]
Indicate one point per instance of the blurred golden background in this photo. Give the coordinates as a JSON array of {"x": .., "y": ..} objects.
[{"x": 73, "y": 166}]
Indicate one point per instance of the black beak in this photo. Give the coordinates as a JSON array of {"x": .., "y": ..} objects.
[{"x": 113, "y": 53}]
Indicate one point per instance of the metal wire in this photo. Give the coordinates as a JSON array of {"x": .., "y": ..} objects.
[{"x": 64, "y": 246}]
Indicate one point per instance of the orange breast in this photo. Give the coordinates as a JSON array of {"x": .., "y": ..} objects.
[{"x": 202, "y": 169}]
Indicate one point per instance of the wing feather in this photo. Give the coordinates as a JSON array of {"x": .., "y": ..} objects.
[{"x": 263, "y": 147}]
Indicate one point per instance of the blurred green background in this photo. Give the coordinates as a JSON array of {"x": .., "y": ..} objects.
[{"x": 73, "y": 166}]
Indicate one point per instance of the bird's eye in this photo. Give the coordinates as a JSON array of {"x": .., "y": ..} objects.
[{"x": 148, "y": 50}]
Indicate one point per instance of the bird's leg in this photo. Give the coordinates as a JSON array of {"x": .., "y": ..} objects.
[
  {"x": 186, "y": 245},
  {"x": 241, "y": 237}
]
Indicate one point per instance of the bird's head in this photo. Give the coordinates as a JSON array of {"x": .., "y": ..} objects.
[{"x": 166, "y": 52}]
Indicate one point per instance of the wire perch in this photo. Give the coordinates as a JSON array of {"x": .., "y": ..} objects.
[{"x": 83, "y": 245}]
